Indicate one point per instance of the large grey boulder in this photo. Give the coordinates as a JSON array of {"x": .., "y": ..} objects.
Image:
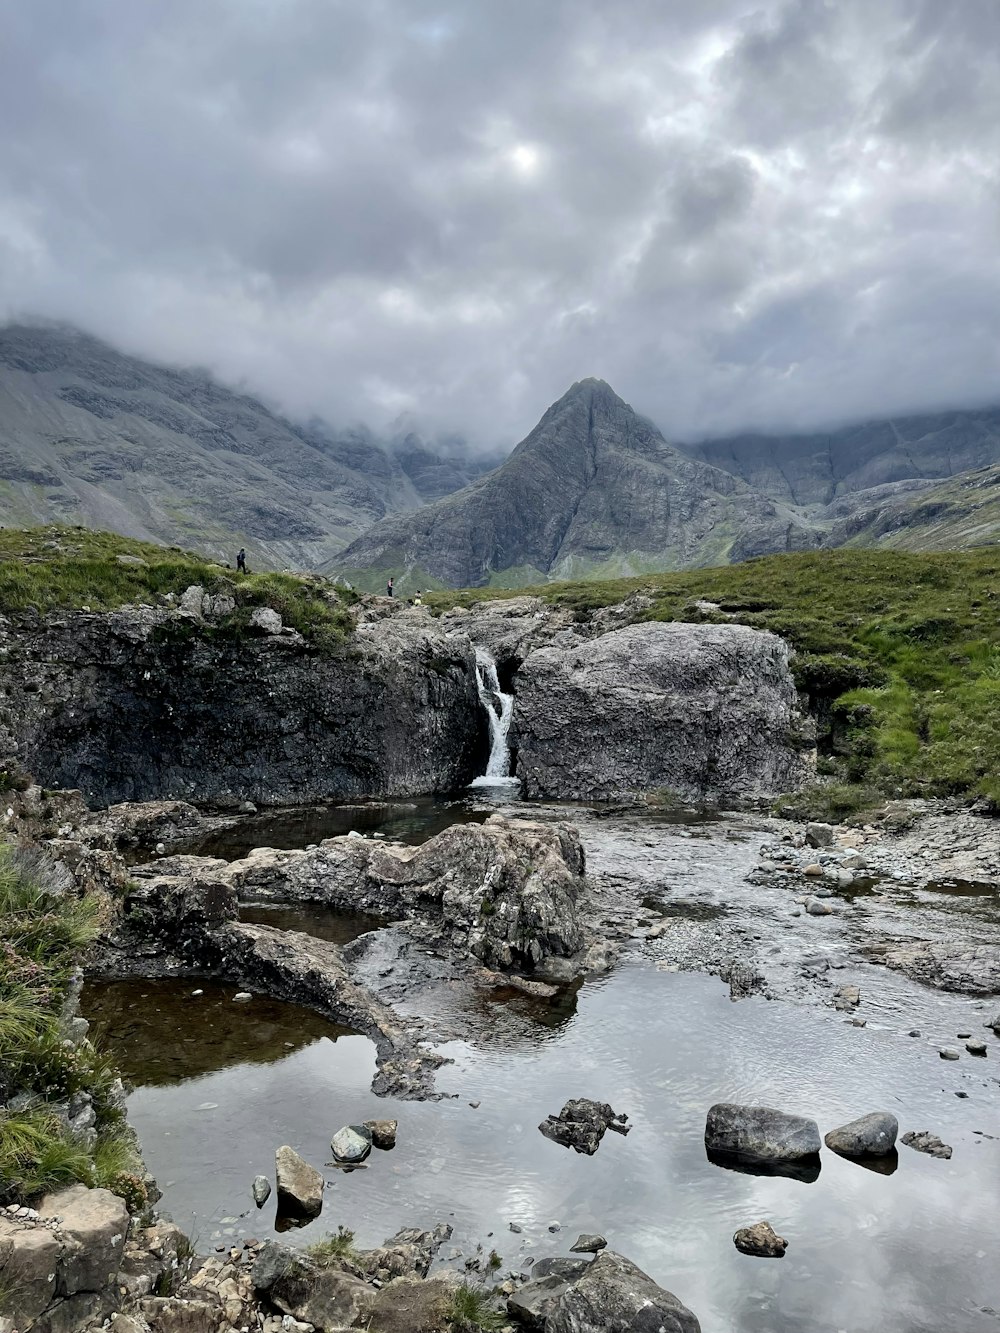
[
  {"x": 300, "y": 1186},
  {"x": 872, "y": 1135},
  {"x": 614, "y": 1296},
  {"x": 760, "y": 1133},
  {"x": 709, "y": 712}
]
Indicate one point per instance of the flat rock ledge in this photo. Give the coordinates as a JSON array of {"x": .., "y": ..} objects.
[{"x": 503, "y": 893}]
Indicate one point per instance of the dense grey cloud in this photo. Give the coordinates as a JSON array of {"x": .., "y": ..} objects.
[{"x": 776, "y": 213}]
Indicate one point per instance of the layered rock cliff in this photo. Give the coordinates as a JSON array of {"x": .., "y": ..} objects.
[{"x": 144, "y": 703}]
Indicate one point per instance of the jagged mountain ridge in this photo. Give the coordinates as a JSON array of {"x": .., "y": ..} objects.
[
  {"x": 89, "y": 435},
  {"x": 593, "y": 489},
  {"x": 817, "y": 469}
]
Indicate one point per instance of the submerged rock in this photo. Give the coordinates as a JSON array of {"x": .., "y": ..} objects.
[
  {"x": 760, "y": 1240},
  {"x": 709, "y": 712},
  {"x": 581, "y": 1125},
  {"x": 351, "y": 1144},
  {"x": 872, "y": 1135},
  {"x": 924, "y": 1141},
  {"x": 760, "y": 1133},
  {"x": 300, "y": 1186}
]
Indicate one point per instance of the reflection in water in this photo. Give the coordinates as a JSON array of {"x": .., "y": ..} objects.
[
  {"x": 324, "y": 923},
  {"x": 165, "y": 1032},
  {"x": 806, "y": 1169},
  {"x": 411, "y": 822},
  {"x": 899, "y": 1254}
]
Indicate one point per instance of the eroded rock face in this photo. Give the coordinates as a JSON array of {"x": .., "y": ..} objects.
[
  {"x": 709, "y": 712},
  {"x": 143, "y": 704},
  {"x": 760, "y": 1133},
  {"x": 507, "y": 889}
]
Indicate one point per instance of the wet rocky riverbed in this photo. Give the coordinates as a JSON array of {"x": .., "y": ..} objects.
[{"x": 220, "y": 1083}]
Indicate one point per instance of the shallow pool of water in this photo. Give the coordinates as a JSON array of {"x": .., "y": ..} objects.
[
  {"x": 324, "y": 923},
  {"x": 217, "y": 1092}
]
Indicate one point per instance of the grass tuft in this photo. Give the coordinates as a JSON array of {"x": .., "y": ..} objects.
[
  {"x": 339, "y": 1245},
  {"x": 474, "y": 1310}
]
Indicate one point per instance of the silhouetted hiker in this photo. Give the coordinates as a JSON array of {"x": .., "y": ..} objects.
[
  {"x": 241, "y": 562},
  {"x": 388, "y": 588},
  {"x": 418, "y": 600}
]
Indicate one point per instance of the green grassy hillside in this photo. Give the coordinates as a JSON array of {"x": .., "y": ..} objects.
[
  {"x": 51, "y": 569},
  {"x": 899, "y": 653}
]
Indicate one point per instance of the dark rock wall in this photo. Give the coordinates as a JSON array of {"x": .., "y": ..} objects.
[{"x": 142, "y": 704}]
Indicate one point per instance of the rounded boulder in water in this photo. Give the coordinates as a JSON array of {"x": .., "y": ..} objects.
[
  {"x": 352, "y": 1144},
  {"x": 873, "y": 1135}
]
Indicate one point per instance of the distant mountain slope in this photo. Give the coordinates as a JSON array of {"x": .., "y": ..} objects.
[
  {"x": 93, "y": 437},
  {"x": 954, "y": 515},
  {"x": 593, "y": 490},
  {"x": 814, "y": 469}
]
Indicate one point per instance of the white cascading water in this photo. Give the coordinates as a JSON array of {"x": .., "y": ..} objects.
[{"x": 499, "y": 707}]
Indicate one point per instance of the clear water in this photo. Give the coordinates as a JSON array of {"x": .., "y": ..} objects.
[{"x": 219, "y": 1085}]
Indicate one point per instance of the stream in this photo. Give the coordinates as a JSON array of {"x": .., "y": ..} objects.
[{"x": 218, "y": 1085}]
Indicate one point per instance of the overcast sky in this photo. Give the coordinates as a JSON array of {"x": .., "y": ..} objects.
[{"x": 738, "y": 212}]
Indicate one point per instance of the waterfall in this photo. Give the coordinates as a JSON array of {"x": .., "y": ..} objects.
[{"x": 499, "y": 707}]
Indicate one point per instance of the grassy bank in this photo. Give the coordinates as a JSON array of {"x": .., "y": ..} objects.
[
  {"x": 899, "y": 653},
  {"x": 63, "y": 569},
  {"x": 43, "y": 931}
]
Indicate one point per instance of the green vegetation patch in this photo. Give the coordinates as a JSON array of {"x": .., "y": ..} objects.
[
  {"x": 897, "y": 652},
  {"x": 43, "y": 929},
  {"x": 66, "y": 569}
]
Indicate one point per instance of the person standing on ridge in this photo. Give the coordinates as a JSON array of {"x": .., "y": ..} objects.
[
  {"x": 388, "y": 588},
  {"x": 241, "y": 562}
]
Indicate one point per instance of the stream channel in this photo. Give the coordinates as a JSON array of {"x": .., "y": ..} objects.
[{"x": 219, "y": 1085}]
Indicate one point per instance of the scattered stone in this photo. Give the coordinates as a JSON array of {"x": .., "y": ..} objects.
[
  {"x": 914, "y": 1032},
  {"x": 760, "y": 1240},
  {"x": 261, "y": 1190},
  {"x": 963, "y": 1035},
  {"x": 242, "y": 997},
  {"x": 383, "y": 1133},
  {"x": 265, "y": 620},
  {"x": 352, "y": 1144},
  {"x": 588, "y": 1244},
  {"x": 847, "y": 998},
  {"x": 819, "y": 835},
  {"x": 947, "y": 1054},
  {"x": 816, "y": 907},
  {"x": 760, "y": 1133},
  {"x": 924, "y": 1141},
  {"x": 515, "y": 1228},
  {"x": 873, "y": 1135},
  {"x": 300, "y": 1186},
  {"x": 814, "y": 871},
  {"x": 976, "y": 1047},
  {"x": 581, "y": 1125}
]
